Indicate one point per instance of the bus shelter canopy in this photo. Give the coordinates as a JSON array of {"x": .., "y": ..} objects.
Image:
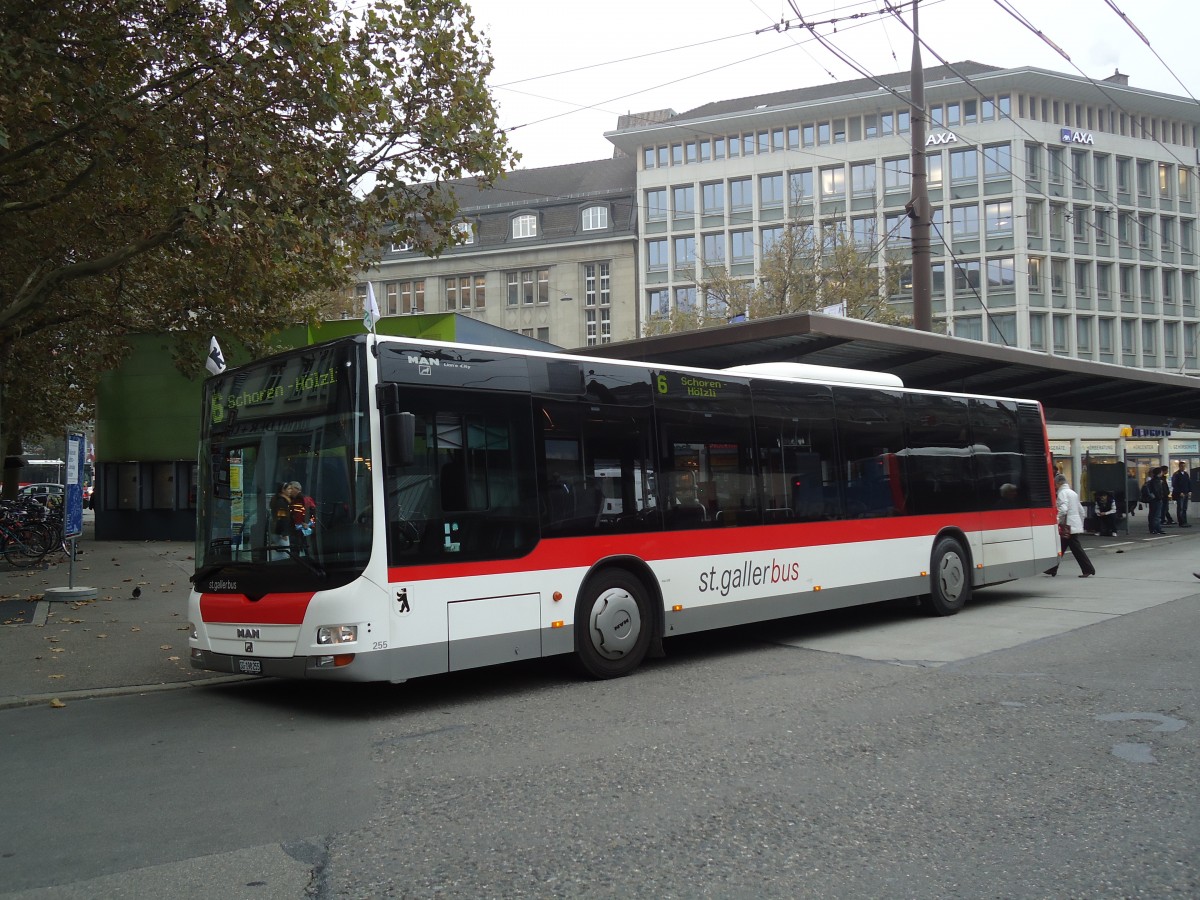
[{"x": 1071, "y": 390}]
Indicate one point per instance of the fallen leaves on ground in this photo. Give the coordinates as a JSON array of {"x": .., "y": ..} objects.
[{"x": 57, "y": 704}]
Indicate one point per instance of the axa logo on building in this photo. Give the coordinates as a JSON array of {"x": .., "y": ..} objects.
[
  {"x": 1076, "y": 137},
  {"x": 941, "y": 137}
]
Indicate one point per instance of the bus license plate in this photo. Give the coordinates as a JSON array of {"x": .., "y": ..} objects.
[{"x": 250, "y": 666}]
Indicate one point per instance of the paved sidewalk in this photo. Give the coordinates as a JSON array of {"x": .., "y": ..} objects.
[
  {"x": 116, "y": 643},
  {"x": 64, "y": 650}
]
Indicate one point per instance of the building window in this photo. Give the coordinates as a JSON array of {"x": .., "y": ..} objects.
[
  {"x": 896, "y": 176},
  {"x": 1055, "y": 166},
  {"x": 683, "y": 199},
  {"x": 595, "y": 218},
  {"x": 933, "y": 168},
  {"x": 770, "y": 191},
  {"x": 1143, "y": 178},
  {"x": 524, "y": 227},
  {"x": 966, "y": 277},
  {"x": 1001, "y": 274},
  {"x": 968, "y": 327},
  {"x": 412, "y": 296},
  {"x": 1058, "y": 221},
  {"x": 656, "y": 255},
  {"x": 898, "y": 227},
  {"x": 862, "y": 178},
  {"x": 1083, "y": 287},
  {"x": 714, "y": 249},
  {"x": 769, "y": 238},
  {"x": 741, "y": 194},
  {"x": 862, "y": 231},
  {"x": 527, "y": 286},
  {"x": 1058, "y": 276},
  {"x": 656, "y": 204},
  {"x": 658, "y": 303},
  {"x": 1002, "y": 329},
  {"x": 801, "y": 186},
  {"x": 998, "y": 218},
  {"x": 1035, "y": 274},
  {"x": 964, "y": 166},
  {"x": 1083, "y": 335},
  {"x": 685, "y": 251},
  {"x": 465, "y": 292},
  {"x": 964, "y": 222},
  {"x": 1079, "y": 224},
  {"x": 1164, "y": 181},
  {"x": 1033, "y": 161},
  {"x": 597, "y": 286},
  {"x": 465, "y": 232},
  {"x": 833, "y": 181},
  {"x": 997, "y": 162},
  {"x": 1037, "y": 331},
  {"x": 712, "y": 198},
  {"x": 685, "y": 299},
  {"x": 1033, "y": 218},
  {"x": 742, "y": 246}
]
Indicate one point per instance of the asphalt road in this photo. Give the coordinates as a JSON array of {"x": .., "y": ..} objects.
[{"x": 1043, "y": 743}]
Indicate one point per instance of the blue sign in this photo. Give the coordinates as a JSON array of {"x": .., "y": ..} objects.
[{"x": 73, "y": 503}]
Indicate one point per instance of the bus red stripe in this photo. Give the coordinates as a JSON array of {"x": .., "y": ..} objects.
[{"x": 554, "y": 553}]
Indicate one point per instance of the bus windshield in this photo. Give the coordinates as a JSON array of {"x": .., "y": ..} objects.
[{"x": 285, "y": 472}]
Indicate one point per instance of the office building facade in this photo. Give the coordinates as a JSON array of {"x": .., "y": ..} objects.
[
  {"x": 548, "y": 253},
  {"x": 1064, "y": 210}
]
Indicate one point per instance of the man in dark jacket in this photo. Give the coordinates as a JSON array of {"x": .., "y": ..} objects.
[
  {"x": 1153, "y": 496},
  {"x": 1181, "y": 490}
]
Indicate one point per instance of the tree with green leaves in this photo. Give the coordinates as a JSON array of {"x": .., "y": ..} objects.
[
  {"x": 803, "y": 270},
  {"x": 215, "y": 166}
]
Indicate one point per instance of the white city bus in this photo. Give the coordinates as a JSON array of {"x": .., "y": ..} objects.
[{"x": 475, "y": 505}]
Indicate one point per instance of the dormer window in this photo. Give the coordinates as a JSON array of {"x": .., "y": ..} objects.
[
  {"x": 465, "y": 232},
  {"x": 524, "y": 227},
  {"x": 401, "y": 246},
  {"x": 595, "y": 218}
]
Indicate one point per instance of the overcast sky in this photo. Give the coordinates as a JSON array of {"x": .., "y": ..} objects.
[{"x": 566, "y": 69}]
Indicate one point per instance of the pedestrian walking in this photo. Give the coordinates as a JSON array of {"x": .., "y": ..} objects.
[
  {"x": 1181, "y": 490},
  {"x": 1152, "y": 496},
  {"x": 1070, "y": 526}
]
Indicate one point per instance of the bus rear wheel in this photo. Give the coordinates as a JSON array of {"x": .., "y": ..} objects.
[
  {"x": 613, "y": 625},
  {"x": 949, "y": 578}
]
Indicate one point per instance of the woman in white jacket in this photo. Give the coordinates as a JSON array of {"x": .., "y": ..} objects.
[{"x": 1070, "y": 526}]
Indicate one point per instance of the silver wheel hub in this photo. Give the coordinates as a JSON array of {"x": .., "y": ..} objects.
[
  {"x": 615, "y": 623},
  {"x": 951, "y": 576}
]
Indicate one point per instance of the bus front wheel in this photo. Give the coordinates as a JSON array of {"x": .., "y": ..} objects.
[
  {"x": 949, "y": 578},
  {"x": 613, "y": 625}
]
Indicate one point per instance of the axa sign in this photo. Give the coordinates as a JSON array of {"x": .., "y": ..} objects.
[
  {"x": 941, "y": 137},
  {"x": 1076, "y": 137}
]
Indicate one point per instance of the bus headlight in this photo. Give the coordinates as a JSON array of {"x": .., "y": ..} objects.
[{"x": 337, "y": 634}]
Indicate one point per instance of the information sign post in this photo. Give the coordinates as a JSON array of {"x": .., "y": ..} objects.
[{"x": 73, "y": 520}]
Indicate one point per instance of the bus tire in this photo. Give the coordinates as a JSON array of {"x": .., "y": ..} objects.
[
  {"x": 613, "y": 625},
  {"x": 949, "y": 578}
]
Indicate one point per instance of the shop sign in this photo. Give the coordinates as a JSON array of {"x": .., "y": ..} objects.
[
  {"x": 1190, "y": 447},
  {"x": 1060, "y": 448},
  {"x": 1147, "y": 447},
  {"x": 1099, "y": 448}
]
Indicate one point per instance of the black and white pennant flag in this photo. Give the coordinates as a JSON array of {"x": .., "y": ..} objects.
[{"x": 216, "y": 359}]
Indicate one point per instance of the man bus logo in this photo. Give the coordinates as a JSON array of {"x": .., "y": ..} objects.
[
  {"x": 941, "y": 137},
  {"x": 1076, "y": 137},
  {"x": 248, "y": 633}
]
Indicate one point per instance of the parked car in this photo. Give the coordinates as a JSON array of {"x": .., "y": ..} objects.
[{"x": 43, "y": 491}]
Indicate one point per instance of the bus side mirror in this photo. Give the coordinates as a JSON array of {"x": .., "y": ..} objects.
[{"x": 399, "y": 439}]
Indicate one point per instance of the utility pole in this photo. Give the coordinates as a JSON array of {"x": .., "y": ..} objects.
[{"x": 918, "y": 204}]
